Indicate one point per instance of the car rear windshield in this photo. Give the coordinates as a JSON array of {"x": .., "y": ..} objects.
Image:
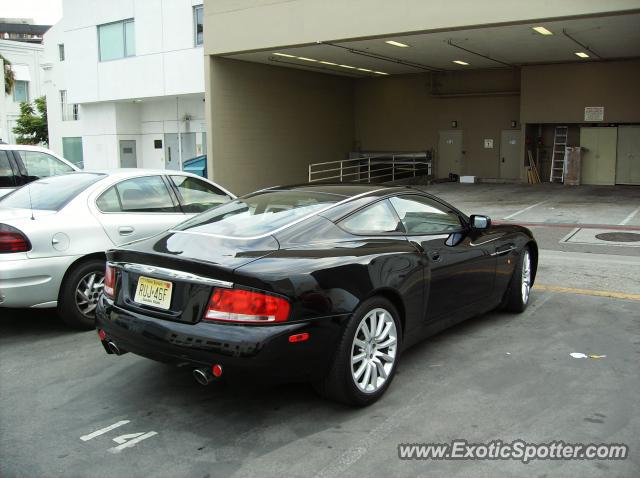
[
  {"x": 258, "y": 214},
  {"x": 50, "y": 194}
]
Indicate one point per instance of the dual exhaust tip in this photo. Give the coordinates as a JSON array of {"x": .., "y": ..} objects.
[{"x": 206, "y": 375}]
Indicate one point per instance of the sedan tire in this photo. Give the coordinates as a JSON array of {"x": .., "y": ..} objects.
[
  {"x": 519, "y": 292},
  {"x": 367, "y": 355},
  {"x": 79, "y": 295}
]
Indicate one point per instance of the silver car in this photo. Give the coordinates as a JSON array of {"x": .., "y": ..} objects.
[{"x": 54, "y": 231}]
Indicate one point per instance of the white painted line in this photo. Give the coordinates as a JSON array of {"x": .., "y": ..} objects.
[
  {"x": 102, "y": 431},
  {"x": 124, "y": 438},
  {"x": 525, "y": 209},
  {"x": 570, "y": 235},
  {"x": 130, "y": 443},
  {"x": 629, "y": 217}
]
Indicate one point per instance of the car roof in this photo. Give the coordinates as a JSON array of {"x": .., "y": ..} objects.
[
  {"x": 346, "y": 190},
  {"x": 135, "y": 172}
]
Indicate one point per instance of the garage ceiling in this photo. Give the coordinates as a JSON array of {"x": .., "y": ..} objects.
[{"x": 601, "y": 38}]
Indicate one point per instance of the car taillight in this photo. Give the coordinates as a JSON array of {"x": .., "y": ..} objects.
[
  {"x": 110, "y": 281},
  {"x": 13, "y": 240},
  {"x": 243, "y": 306}
]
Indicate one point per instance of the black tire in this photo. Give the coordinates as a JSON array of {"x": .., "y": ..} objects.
[
  {"x": 68, "y": 308},
  {"x": 515, "y": 300},
  {"x": 339, "y": 383}
]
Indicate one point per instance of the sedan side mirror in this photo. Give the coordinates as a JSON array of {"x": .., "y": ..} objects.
[{"x": 480, "y": 222}]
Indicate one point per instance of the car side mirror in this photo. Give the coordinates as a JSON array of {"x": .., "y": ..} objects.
[{"x": 480, "y": 222}]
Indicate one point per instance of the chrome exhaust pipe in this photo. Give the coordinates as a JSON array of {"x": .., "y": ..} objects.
[
  {"x": 114, "y": 348},
  {"x": 203, "y": 375}
]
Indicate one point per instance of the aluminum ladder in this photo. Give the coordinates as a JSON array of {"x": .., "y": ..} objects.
[{"x": 558, "y": 154}]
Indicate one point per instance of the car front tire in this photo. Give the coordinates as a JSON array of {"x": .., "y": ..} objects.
[
  {"x": 79, "y": 295},
  {"x": 519, "y": 292},
  {"x": 367, "y": 355}
]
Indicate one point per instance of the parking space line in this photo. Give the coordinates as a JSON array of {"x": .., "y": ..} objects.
[
  {"x": 629, "y": 217},
  {"x": 526, "y": 209},
  {"x": 130, "y": 443},
  {"x": 102, "y": 431},
  {"x": 597, "y": 293}
]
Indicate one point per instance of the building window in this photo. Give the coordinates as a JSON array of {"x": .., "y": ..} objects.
[
  {"x": 116, "y": 40},
  {"x": 198, "y": 13},
  {"x": 61, "y": 51},
  {"x": 72, "y": 151},
  {"x": 69, "y": 111},
  {"x": 21, "y": 91}
]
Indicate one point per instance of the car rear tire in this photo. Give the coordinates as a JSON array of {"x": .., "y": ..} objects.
[
  {"x": 519, "y": 292},
  {"x": 80, "y": 292},
  {"x": 366, "y": 357}
]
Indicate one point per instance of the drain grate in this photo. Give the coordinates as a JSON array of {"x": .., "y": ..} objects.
[{"x": 619, "y": 236}]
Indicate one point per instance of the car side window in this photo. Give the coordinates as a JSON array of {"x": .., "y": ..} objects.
[
  {"x": 421, "y": 215},
  {"x": 197, "y": 195},
  {"x": 375, "y": 219},
  {"x": 138, "y": 195},
  {"x": 43, "y": 165},
  {"x": 7, "y": 178}
]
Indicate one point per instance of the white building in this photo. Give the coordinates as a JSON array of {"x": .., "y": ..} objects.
[
  {"x": 25, "y": 61},
  {"x": 123, "y": 78}
]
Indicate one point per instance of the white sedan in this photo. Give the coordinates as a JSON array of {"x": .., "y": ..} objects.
[{"x": 54, "y": 231}]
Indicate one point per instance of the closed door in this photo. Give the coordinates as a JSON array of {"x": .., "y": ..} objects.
[
  {"x": 173, "y": 149},
  {"x": 598, "y": 155},
  {"x": 128, "y": 157},
  {"x": 510, "y": 154},
  {"x": 628, "y": 160},
  {"x": 449, "y": 153}
]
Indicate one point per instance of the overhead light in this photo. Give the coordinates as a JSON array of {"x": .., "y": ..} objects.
[
  {"x": 542, "y": 30},
  {"x": 305, "y": 58},
  {"x": 396, "y": 43},
  {"x": 380, "y": 73},
  {"x": 329, "y": 63},
  {"x": 582, "y": 54},
  {"x": 137, "y": 101},
  {"x": 286, "y": 55},
  {"x": 460, "y": 62},
  {"x": 364, "y": 69},
  {"x": 348, "y": 66}
]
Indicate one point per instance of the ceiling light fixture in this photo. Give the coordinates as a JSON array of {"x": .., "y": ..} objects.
[
  {"x": 542, "y": 30},
  {"x": 380, "y": 73},
  {"x": 460, "y": 62},
  {"x": 396, "y": 43},
  {"x": 329, "y": 63},
  {"x": 348, "y": 66},
  {"x": 286, "y": 55},
  {"x": 582, "y": 54},
  {"x": 305, "y": 58},
  {"x": 364, "y": 69}
]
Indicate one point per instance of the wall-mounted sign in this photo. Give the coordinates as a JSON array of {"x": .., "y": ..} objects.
[
  {"x": 488, "y": 143},
  {"x": 594, "y": 113}
]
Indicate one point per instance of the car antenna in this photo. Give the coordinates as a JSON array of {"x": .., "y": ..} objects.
[{"x": 30, "y": 202}]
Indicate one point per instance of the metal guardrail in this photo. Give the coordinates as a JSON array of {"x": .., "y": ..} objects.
[{"x": 382, "y": 167}]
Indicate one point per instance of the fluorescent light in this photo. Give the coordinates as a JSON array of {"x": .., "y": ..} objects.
[
  {"x": 364, "y": 69},
  {"x": 460, "y": 62},
  {"x": 396, "y": 43},
  {"x": 542, "y": 30},
  {"x": 329, "y": 63},
  {"x": 285, "y": 55},
  {"x": 582, "y": 54},
  {"x": 347, "y": 66},
  {"x": 380, "y": 73},
  {"x": 305, "y": 58}
]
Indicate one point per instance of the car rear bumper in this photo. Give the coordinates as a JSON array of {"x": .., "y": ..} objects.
[
  {"x": 262, "y": 352},
  {"x": 32, "y": 282}
]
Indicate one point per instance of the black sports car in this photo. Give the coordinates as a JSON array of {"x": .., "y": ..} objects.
[{"x": 323, "y": 283}]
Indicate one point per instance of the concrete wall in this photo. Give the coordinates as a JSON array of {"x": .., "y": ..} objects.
[
  {"x": 559, "y": 93},
  {"x": 271, "y": 122},
  {"x": 294, "y": 22},
  {"x": 401, "y": 113}
]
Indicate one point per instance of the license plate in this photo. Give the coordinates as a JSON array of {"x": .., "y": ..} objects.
[{"x": 153, "y": 292}]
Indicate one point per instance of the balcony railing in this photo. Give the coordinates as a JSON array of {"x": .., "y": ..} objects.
[
  {"x": 373, "y": 168},
  {"x": 70, "y": 112}
]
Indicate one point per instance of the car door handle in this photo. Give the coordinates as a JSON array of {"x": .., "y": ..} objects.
[{"x": 126, "y": 230}]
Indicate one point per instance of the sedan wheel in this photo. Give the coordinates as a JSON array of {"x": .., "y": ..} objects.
[
  {"x": 87, "y": 292},
  {"x": 519, "y": 292},
  {"x": 80, "y": 292},
  {"x": 373, "y": 352},
  {"x": 367, "y": 355}
]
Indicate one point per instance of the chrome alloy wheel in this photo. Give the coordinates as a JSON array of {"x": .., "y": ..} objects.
[
  {"x": 374, "y": 349},
  {"x": 526, "y": 276},
  {"x": 87, "y": 292}
]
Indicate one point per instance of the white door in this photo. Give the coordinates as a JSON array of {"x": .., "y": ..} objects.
[
  {"x": 137, "y": 208},
  {"x": 128, "y": 158},
  {"x": 628, "y": 157},
  {"x": 449, "y": 153},
  {"x": 510, "y": 154}
]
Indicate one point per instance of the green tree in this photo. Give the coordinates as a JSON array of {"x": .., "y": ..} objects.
[
  {"x": 31, "y": 126},
  {"x": 9, "y": 77}
]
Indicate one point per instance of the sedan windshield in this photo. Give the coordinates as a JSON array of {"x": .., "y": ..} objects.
[
  {"x": 50, "y": 194},
  {"x": 261, "y": 213}
]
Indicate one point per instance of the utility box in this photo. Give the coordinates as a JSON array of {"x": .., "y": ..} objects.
[{"x": 572, "y": 165}]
